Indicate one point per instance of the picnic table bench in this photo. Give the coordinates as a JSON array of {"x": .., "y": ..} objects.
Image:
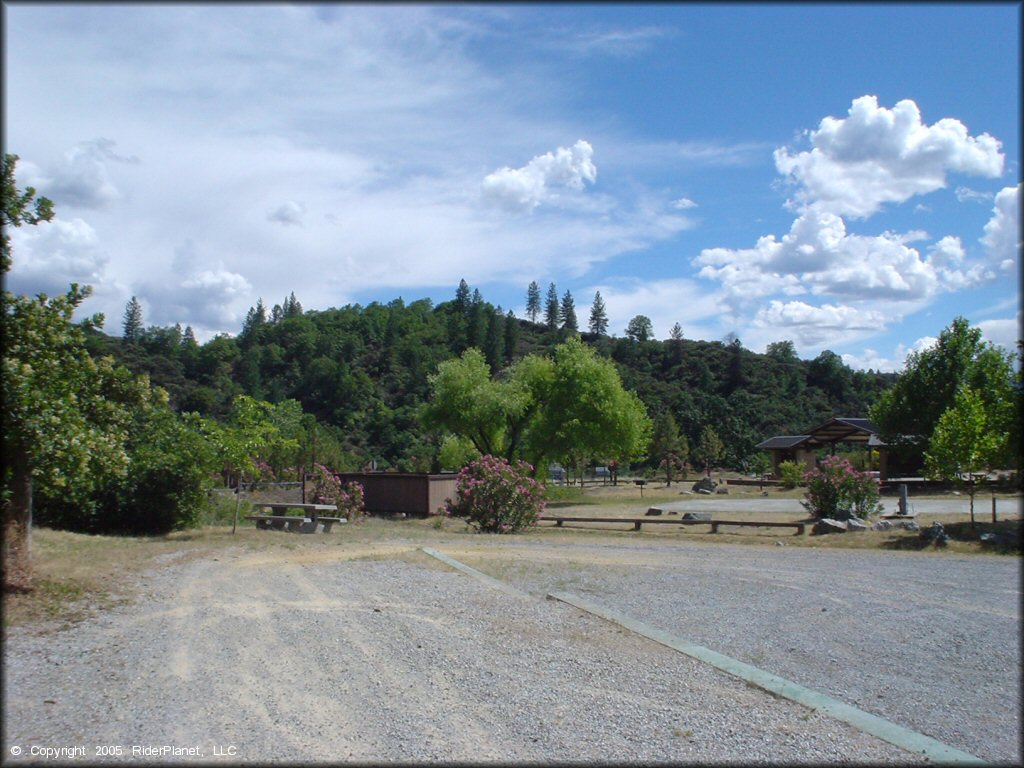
[
  {"x": 558, "y": 520},
  {"x": 306, "y": 522}
]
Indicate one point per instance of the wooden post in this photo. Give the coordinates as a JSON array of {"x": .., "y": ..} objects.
[{"x": 993, "y": 508}]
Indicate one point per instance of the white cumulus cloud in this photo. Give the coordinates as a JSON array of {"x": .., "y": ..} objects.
[
  {"x": 878, "y": 155},
  {"x": 523, "y": 189},
  {"x": 49, "y": 256},
  {"x": 1002, "y": 238}
]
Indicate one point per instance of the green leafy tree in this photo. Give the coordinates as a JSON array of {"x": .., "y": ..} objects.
[
  {"x": 910, "y": 410},
  {"x": 567, "y": 407},
  {"x": 18, "y": 208},
  {"x": 709, "y": 448},
  {"x": 965, "y": 443},
  {"x": 533, "y": 301},
  {"x": 132, "y": 324},
  {"x": 466, "y": 401},
  {"x": 640, "y": 328},
  {"x": 585, "y": 411},
  {"x": 65, "y": 415},
  {"x": 598, "y": 324},
  {"x": 668, "y": 446}
]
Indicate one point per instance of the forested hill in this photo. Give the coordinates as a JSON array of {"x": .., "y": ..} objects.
[{"x": 362, "y": 371}]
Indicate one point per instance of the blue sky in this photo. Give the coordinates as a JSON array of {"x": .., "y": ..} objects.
[{"x": 843, "y": 176}]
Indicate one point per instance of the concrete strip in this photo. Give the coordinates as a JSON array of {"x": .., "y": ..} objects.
[
  {"x": 488, "y": 580},
  {"x": 872, "y": 724}
]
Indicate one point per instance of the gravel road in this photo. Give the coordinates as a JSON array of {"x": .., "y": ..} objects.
[{"x": 301, "y": 656}]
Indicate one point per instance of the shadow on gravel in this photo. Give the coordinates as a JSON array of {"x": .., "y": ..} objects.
[{"x": 1002, "y": 537}]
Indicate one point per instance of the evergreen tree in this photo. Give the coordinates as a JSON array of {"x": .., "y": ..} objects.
[
  {"x": 291, "y": 308},
  {"x": 462, "y": 301},
  {"x": 476, "y": 330},
  {"x": 132, "y": 321},
  {"x": 533, "y": 301},
  {"x": 598, "y": 316},
  {"x": 494, "y": 345},
  {"x": 567, "y": 313},
  {"x": 551, "y": 308},
  {"x": 511, "y": 337}
]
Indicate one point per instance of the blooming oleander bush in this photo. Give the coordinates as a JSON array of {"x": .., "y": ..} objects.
[
  {"x": 327, "y": 489},
  {"x": 497, "y": 497},
  {"x": 837, "y": 490}
]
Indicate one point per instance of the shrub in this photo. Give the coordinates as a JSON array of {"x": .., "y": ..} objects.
[
  {"x": 497, "y": 497},
  {"x": 837, "y": 490},
  {"x": 327, "y": 489},
  {"x": 791, "y": 473}
]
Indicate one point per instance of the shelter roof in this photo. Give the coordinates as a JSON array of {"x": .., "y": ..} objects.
[
  {"x": 845, "y": 430},
  {"x": 782, "y": 442}
]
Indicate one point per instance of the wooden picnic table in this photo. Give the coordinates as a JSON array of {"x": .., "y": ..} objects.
[{"x": 310, "y": 518}]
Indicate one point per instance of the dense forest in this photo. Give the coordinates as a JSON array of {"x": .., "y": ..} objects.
[{"x": 362, "y": 372}]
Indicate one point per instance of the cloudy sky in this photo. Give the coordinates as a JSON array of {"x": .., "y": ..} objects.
[{"x": 845, "y": 177}]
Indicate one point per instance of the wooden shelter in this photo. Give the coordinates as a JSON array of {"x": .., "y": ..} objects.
[
  {"x": 804, "y": 448},
  {"x": 409, "y": 492}
]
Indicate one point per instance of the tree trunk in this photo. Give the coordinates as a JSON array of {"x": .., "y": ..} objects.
[{"x": 17, "y": 548}]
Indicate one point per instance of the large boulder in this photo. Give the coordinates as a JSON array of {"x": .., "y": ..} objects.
[
  {"x": 828, "y": 525},
  {"x": 882, "y": 525},
  {"x": 705, "y": 485},
  {"x": 653, "y": 512},
  {"x": 703, "y": 516},
  {"x": 855, "y": 524}
]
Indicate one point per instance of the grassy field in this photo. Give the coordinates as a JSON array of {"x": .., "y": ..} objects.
[{"x": 77, "y": 575}]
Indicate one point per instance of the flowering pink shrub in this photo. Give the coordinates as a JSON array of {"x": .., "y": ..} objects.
[
  {"x": 497, "y": 497},
  {"x": 837, "y": 490},
  {"x": 327, "y": 489}
]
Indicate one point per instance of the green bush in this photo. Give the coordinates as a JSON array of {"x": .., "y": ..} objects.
[
  {"x": 497, "y": 497},
  {"x": 791, "y": 473},
  {"x": 163, "y": 490}
]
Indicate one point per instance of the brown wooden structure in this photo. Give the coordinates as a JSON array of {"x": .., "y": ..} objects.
[
  {"x": 412, "y": 493},
  {"x": 804, "y": 448}
]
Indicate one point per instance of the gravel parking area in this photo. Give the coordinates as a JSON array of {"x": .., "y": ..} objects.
[
  {"x": 929, "y": 641},
  {"x": 288, "y": 657}
]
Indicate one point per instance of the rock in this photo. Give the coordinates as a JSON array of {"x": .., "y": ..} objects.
[
  {"x": 705, "y": 516},
  {"x": 780, "y": 543},
  {"x": 936, "y": 534},
  {"x": 705, "y": 485},
  {"x": 882, "y": 525},
  {"x": 910, "y": 525},
  {"x": 764, "y": 493},
  {"x": 828, "y": 525},
  {"x": 722, "y": 489},
  {"x": 705, "y": 491},
  {"x": 673, "y": 511},
  {"x": 854, "y": 524},
  {"x": 653, "y": 512}
]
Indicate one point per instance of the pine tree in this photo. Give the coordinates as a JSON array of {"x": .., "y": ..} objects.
[
  {"x": 598, "y": 316},
  {"x": 494, "y": 345},
  {"x": 567, "y": 313},
  {"x": 462, "y": 304},
  {"x": 511, "y": 337},
  {"x": 551, "y": 308},
  {"x": 291, "y": 308},
  {"x": 132, "y": 321},
  {"x": 533, "y": 301}
]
